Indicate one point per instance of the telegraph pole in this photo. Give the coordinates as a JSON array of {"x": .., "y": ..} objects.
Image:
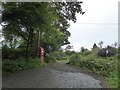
[
  {"x": 40, "y": 49},
  {"x": 38, "y": 42}
]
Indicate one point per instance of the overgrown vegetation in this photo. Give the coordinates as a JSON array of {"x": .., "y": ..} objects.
[
  {"x": 10, "y": 66},
  {"x": 106, "y": 66}
]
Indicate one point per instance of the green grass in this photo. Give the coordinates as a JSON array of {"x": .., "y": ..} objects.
[{"x": 113, "y": 80}]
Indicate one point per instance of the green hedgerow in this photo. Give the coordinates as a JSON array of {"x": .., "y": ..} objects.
[{"x": 10, "y": 66}]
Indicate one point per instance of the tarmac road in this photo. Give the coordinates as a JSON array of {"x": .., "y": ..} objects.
[{"x": 55, "y": 75}]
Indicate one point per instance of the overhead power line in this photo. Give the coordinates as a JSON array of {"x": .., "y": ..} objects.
[{"x": 99, "y": 23}]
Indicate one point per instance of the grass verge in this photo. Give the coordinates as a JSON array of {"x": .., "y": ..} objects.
[{"x": 10, "y": 66}]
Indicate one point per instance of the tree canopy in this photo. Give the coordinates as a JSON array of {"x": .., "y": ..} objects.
[{"x": 31, "y": 23}]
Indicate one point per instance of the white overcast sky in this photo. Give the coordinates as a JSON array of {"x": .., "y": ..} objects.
[{"x": 99, "y": 23}]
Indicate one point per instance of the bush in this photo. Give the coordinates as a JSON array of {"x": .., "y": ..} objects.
[
  {"x": 9, "y": 53},
  {"x": 111, "y": 52},
  {"x": 68, "y": 52},
  {"x": 74, "y": 59},
  {"x": 9, "y": 66},
  {"x": 56, "y": 55},
  {"x": 49, "y": 59}
]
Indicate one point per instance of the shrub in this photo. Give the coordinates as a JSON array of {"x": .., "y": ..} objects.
[
  {"x": 49, "y": 59},
  {"x": 111, "y": 51},
  {"x": 9, "y": 53},
  {"x": 9, "y": 66},
  {"x": 15, "y": 53},
  {"x": 56, "y": 55},
  {"x": 68, "y": 52},
  {"x": 74, "y": 59}
]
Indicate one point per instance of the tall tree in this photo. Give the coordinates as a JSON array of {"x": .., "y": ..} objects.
[
  {"x": 100, "y": 44},
  {"x": 94, "y": 46},
  {"x": 68, "y": 47},
  {"x": 82, "y": 50},
  {"x": 95, "y": 49},
  {"x": 115, "y": 44},
  {"x": 22, "y": 19},
  {"x": 26, "y": 20}
]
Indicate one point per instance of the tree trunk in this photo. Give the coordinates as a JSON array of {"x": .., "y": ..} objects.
[
  {"x": 27, "y": 48},
  {"x": 29, "y": 41}
]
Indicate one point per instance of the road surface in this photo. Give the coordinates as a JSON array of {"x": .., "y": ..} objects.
[{"x": 56, "y": 75}]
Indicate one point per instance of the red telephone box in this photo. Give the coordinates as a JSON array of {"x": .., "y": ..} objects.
[{"x": 41, "y": 54}]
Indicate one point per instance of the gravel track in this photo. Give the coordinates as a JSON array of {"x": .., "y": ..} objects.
[{"x": 55, "y": 75}]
